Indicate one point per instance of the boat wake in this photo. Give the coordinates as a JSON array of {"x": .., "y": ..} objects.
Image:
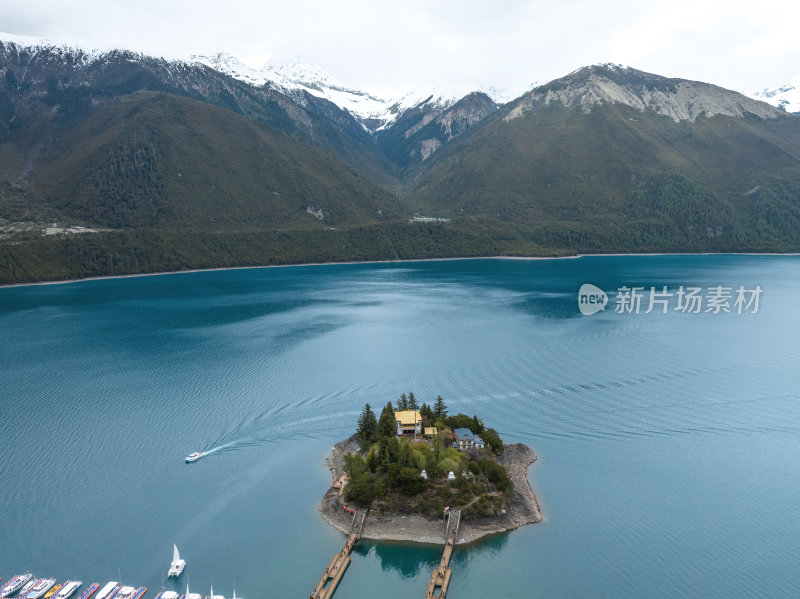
[
  {"x": 271, "y": 426},
  {"x": 218, "y": 448}
]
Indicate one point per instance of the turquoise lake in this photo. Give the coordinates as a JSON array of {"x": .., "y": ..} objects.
[{"x": 669, "y": 444}]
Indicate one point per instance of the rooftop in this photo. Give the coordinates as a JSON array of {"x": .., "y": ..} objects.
[{"x": 408, "y": 417}]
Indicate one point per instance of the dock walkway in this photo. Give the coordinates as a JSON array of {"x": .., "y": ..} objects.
[
  {"x": 440, "y": 579},
  {"x": 336, "y": 568}
]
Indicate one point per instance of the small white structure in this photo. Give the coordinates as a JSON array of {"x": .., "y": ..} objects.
[
  {"x": 424, "y": 474},
  {"x": 451, "y": 476}
]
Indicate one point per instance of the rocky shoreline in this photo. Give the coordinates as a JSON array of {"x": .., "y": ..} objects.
[{"x": 524, "y": 508}]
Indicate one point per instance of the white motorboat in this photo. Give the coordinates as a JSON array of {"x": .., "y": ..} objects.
[
  {"x": 178, "y": 564},
  {"x": 40, "y": 588},
  {"x": 126, "y": 593},
  {"x": 15, "y": 584},
  {"x": 194, "y": 456},
  {"x": 27, "y": 587},
  {"x": 109, "y": 590},
  {"x": 69, "y": 587}
]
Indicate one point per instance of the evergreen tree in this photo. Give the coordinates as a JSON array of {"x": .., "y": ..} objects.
[
  {"x": 412, "y": 402},
  {"x": 427, "y": 414},
  {"x": 387, "y": 424},
  {"x": 367, "y": 426},
  {"x": 477, "y": 425},
  {"x": 402, "y": 403},
  {"x": 440, "y": 408}
]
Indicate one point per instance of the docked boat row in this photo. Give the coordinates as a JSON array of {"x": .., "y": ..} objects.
[{"x": 26, "y": 586}]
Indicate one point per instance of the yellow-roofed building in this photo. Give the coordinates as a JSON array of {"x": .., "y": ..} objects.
[{"x": 409, "y": 422}]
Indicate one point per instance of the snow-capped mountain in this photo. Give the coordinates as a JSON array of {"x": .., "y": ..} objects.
[
  {"x": 372, "y": 111},
  {"x": 785, "y": 97},
  {"x": 376, "y": 113},
  {"x": 298, "y": 75}
]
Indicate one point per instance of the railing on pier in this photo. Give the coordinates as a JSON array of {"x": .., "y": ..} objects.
[
  {"x": 440, "y": 579},
  {"x": 336, "y": 568}
]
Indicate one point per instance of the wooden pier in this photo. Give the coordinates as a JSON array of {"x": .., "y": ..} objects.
[
  {"x": 335, "y": 570},
  {"x": 440, "y": 579}
]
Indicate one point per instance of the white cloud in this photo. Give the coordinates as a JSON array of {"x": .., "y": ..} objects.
[{"x": 389, "y": 47}]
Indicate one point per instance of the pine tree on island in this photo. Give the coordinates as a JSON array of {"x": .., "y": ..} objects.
[
  {"x": 387, "y": 425},
  {"x": 440, "y": 408},
  {"x": 402, "y": 403},
  {"x": 367, "y": 426}
]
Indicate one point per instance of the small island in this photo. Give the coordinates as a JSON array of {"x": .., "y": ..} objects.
[{"x": 413, "y": 464}]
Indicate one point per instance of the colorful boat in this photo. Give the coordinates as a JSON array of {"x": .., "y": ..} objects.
[
  {"x": 53, "y": 591},
  {"x": 139, "y": 592},
  {"x": 90, "y": 591},
  {"x": 167, "y": 595},
  {"x": 68, "y": 589},
  {"x": 15, "y": 584}
]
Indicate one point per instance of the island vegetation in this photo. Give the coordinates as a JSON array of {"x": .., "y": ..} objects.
[{"x": 440, "y": 461}]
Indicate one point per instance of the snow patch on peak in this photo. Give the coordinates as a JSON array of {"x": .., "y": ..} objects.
[
  {"x": 297, "y": 75},
  {"x": 786, "y": 97},
  {"x": 233, "y": 67},
  {"x": 299, "y": 70},
  {"x": 374, "y": 111},
  {"x": 614, "y": 66},
  {"x": 61, "y": 45}
]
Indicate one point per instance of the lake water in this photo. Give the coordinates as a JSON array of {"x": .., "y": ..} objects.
[{"x": 669, "y": 445}]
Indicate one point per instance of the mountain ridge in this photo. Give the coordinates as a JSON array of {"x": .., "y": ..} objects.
[{"x": 151, "y": 164}]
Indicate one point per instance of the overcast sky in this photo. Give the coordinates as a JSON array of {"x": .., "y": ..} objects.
[{"x": 386, "y": 48}]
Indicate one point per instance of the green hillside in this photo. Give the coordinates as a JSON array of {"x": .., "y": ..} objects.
[
  {"x": 158, "y": 160},
  {"x": 618, "y": 179}
]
